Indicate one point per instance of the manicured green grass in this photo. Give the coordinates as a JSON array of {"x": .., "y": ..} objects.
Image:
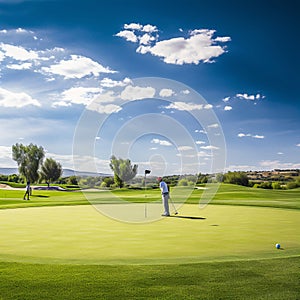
[
  {"x": 80, "y": 234},
  {"x": 263, "y": 279},
  {"x": 227, "y": 194},
  {"x": 71, "y": 251}
]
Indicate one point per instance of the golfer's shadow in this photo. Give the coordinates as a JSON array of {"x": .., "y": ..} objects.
[{"x": 188, "y": 217}]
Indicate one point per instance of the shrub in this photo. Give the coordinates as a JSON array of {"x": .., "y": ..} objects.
[
  {"x": 292, "y": 185},
  {"x": 265, "y": 185},
  {"x": 276, "y": 185}
]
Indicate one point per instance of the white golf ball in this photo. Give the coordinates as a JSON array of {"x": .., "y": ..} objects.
[{"x": 277, "y": 246}]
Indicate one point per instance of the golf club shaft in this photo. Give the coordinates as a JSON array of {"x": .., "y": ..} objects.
[{"x": 176, "y": 212}]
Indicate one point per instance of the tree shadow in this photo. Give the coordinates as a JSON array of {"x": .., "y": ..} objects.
[{"x": 188, "y": 217}]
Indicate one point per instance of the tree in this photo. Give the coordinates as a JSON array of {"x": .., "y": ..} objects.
[
  {"x": 29, "y": 158},
  {"x": 51, "y": 170},
  {"x": 239, "y": 178},
  {"x": 123, "y": 170}
]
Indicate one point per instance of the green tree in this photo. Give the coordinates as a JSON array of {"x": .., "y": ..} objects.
[
  {"x": 72, "y": 180},
  {"x": 29, "y": 159},
  {"x": 239, "y": 178},
  {"x": 51, "y": 170},
  {"x": 123, "y": 170}
]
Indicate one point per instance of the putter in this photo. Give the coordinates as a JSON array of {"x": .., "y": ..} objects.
[{"x": 176, "y": 212}]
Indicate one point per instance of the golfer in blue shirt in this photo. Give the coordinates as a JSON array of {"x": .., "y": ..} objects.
[{"x": 165, "y": 196}]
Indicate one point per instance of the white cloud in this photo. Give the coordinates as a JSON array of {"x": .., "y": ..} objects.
[
  {"x": 6, "y": 157},
  {"x": 276, "y": 164},
  {"x": 255, "y": 136},
  {"x": 184, "y": 148},
  {"x": 24, "y": 66},
  {"x": 228, "y": 108},
  {"x": 137, "y": 92},
  {"x": 183, "y": 106},
  {"x": 249, "y": 97},
  {"x": 200, "y": 46},
  {"x": 104, "y": 108},
  {"x": 226, "y": 99},
  {"x": 60, "y": 104},
  {"x": 298, "y": 145},
  {"x": 161, "y": 142},
  {"x": 107, "y": 82},
  {"x": 166, "y": 93},
  {"x": 209, "y": 147},
  {"x": 80, "y": 95},
  {"x": 204, "y": 154},
  {"x": 77, "y": 67},
  {"x": 185, "y": 92},
  {"x": 200, "y": 131},
  {"x": 149, "y": 28},
  {"x": 18, "y": 52},
  {"x": 200, "y": 142},
  {"x": 106, "y": 97},
  {"x": 146, "y": 39},
  {"x": 215, "y": 125},
  {"x": 133, "y": 26},
  {"x": 17, "y": 100},
  {"x": 128, "y": 36}
]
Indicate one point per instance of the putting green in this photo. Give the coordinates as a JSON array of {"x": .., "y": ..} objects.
[{"x": 81, "y": 235}]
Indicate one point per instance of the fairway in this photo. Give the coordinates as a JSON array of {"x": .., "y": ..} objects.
[{"x": 81, "y": 235}]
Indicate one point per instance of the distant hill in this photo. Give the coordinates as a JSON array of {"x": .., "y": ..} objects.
[
  {"x": 66, "y": 172},
  {"x": 70, "y": 172}
]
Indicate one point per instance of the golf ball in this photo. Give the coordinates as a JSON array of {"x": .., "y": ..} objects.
[{"x": 277, "y": 246}]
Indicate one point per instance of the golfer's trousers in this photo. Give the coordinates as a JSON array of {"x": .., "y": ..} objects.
[{"x": 165, "y": 201}]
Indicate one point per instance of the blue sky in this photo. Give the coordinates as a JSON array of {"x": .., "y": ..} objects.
[{"x": 229, "y": 77}]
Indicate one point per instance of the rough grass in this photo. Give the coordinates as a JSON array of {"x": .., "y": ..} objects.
[{"x": 263, "y": 279}]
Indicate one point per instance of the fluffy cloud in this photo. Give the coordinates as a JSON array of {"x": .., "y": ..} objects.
[
  {"x": 60, "y": 104},
  {"x": 137, "y": 92},
  {"x": 204, "y": 154},
  {"x": 161, "y": 142},
  {"x": 128, "y": 36},
  {"x": 24, "y": 66},
  {"x": 255, "y": 136},
  {"x": 133, "y": 26},
  {"x": 104, "y": 108},
  {"x": 183, "y": 106},
  {"x": 249, "y": 97},
  {"x": 17, "y": 100},
  {"x": 18, "y": 52},
  {"x": 77, "y": 67},
  {"x": 185, "y": 92},
  {"x": 298, "y": 145},
  {"x": 209, "y": 147},
  {"x": 228, "y": 107},
  {"x": 6, "y": 157},
  {"x": 199, "y": 46},
  {"x": 80, "y": 95},
  {"x": 107, "y": 82},
  {"x": 276, "y": 164},
  {"x": 166, "y": 93},
  {"x": 215, "y": 125}
]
